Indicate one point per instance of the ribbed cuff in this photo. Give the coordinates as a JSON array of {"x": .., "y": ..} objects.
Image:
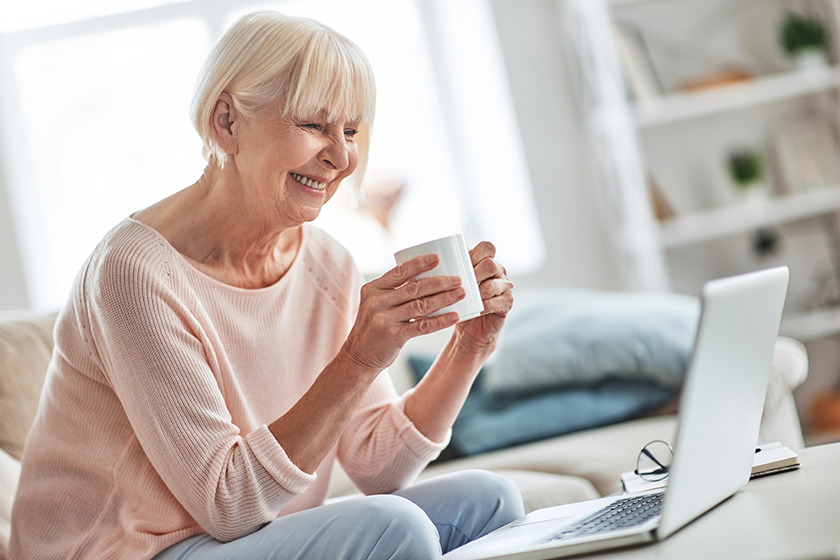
[
  {"x": 417, "y": 443},
  {"x": 274, "y": 460}
]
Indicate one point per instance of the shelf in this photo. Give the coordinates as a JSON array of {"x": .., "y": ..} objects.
[
  {"x": 747, "y": 216},
  {"x": 619, "y": 3},
  {"x": 766, "y": 89},
  {"x": 811, "y": 325}
]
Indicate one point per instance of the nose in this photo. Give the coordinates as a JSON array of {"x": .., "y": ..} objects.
[{"x": 336, "y": 154}]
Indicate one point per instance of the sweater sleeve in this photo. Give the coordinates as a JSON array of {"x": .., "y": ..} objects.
[
  {"x": 160, "y": 361},
  {"x": 381, "y": 450}
]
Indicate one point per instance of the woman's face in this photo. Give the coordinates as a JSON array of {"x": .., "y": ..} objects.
[{"x": 294, "y": 167}]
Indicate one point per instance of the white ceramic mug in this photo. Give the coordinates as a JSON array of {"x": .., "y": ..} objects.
[{"x": 454, "y": 261}]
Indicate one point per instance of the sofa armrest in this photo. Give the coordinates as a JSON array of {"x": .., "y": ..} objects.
[
  {"x": 26, "y": 343},
  {"x": 780, "y": 421},
  {"x": 9, "y": 475}
]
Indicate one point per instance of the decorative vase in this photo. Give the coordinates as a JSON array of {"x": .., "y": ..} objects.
[
  {"x": 810, "y": 59},
  {"x": 752, "y": 192}
]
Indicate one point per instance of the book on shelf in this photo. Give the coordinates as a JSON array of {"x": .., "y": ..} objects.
[
  {"x": 662, "y": 207},
  {"x": 770, "y": 458},
  {"x": 636, "y": 64},
  {"x": 805, "y": 154}
]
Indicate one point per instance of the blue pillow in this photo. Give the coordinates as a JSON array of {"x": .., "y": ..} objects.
[
  {"x": 562, "y": 338},
  {"x": 490, "y": 421}
]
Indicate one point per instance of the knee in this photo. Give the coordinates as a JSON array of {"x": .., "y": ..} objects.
[
  {"x": 500, "y": 494},
  {"x": 397, "y": 528}
]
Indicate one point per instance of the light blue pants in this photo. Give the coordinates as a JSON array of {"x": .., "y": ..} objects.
[{"x": 417, "y": 523}]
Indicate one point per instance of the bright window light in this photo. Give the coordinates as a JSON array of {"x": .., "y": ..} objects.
[
  {"x": 109, "y": 133},
  {"x": 18, "y": 16}
]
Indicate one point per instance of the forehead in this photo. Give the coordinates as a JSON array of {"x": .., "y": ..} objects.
[{"x": 325, "y": 116}]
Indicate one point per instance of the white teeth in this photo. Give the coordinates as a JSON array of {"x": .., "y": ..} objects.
[{"x": 312, "y": 184}]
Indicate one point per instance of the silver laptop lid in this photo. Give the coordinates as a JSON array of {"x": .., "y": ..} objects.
[{"x": 724, "y": 392}]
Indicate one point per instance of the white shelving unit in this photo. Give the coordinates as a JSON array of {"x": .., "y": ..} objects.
[
  {"x": 678, "y": 107},
  {"x": 747, "y": 216},
  {"x": 616, "y": 128}
]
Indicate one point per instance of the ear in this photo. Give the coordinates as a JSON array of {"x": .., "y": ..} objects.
[{"x": 225, "y": 123}]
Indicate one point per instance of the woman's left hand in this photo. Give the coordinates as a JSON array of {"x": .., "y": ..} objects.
[
  {"x": 437, "y": 399},
  {"x": 496, "y": 293}
]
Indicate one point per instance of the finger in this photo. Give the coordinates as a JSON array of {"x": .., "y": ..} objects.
[
  {"x": 500, "y": 303},
  {"x": 429, "y": 325},
  {"x": 404, "y": 272},
  {"x": 419, "y": 308},
  {"x": 484, "y": 250},
  {"x": 417, "y": 289},
  {"x": 499, "y": 306},
  {"x": 494, "y": 287},
  {"x": 488, "y": 268}
]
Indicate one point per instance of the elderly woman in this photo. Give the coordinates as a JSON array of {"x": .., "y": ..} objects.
[{"x": 217, "y": 353}]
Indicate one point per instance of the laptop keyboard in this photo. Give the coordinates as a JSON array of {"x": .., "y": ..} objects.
[{"x": 620, "y": 514}]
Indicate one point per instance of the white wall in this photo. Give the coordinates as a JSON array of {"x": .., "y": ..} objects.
[
  {"x": 12, "y": 285},
  {"x": 536, "y": 60},
  {"x": 536, "y": 55}
]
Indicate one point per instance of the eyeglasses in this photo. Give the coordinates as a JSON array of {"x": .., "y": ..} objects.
[{"x": 654, "y": 461}]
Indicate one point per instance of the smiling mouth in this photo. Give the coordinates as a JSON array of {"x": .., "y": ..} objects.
[{"x": 312, "y": 184}]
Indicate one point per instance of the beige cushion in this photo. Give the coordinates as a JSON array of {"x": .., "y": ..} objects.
[
  {"x": 540, "y": 490},
  {"x": 599, "y": 455},
  {"x": 9, "y": 474},
  {"x": 25, "y": 350}
]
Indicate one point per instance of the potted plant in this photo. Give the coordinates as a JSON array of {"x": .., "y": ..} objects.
[
  {"x": 805, "y": 39},
  {"x": 746, "y": 169}
]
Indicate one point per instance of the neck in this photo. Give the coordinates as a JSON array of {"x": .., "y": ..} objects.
[{"x": 224, "y": 234}]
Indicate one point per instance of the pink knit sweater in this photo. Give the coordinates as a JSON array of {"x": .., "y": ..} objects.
[{"x": 152, "y": 422}]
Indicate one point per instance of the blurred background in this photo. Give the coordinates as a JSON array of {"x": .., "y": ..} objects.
[{"x": 632, "y": 145}]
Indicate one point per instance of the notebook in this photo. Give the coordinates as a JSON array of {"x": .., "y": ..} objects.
[
  {"x": 719, "y": 417},
  {"x": 769, "y": 458}
]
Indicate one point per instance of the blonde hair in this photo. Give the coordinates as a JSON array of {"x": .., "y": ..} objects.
[{"x": 296, "y": 65}]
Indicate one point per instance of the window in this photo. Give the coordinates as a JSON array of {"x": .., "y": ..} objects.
[
  {"x": 43, "y": 13},
  {"x": 108, "y": 133},
  {"x": 95, "y": 126}
]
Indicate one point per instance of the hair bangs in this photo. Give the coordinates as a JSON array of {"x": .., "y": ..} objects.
[{"x": 332, "y": 77}]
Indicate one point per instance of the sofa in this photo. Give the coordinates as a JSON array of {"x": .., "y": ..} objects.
[{"x": 578, "y": 465}]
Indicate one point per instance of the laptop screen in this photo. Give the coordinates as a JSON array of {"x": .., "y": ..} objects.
[{"x": 723, "y": 395}]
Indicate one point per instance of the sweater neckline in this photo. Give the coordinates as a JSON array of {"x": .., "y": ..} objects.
[{"x": 209, "y": 279}]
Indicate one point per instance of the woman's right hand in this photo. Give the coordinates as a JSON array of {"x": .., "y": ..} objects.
[{"x": 394, "y": 309}]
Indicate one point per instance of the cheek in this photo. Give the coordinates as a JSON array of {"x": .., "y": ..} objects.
[
  {"x": 294, "y": 155},
  {"x": 352, "y": 160}
]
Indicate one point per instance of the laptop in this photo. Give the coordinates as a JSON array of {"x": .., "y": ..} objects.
[{"x": 719, "y": 416}]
